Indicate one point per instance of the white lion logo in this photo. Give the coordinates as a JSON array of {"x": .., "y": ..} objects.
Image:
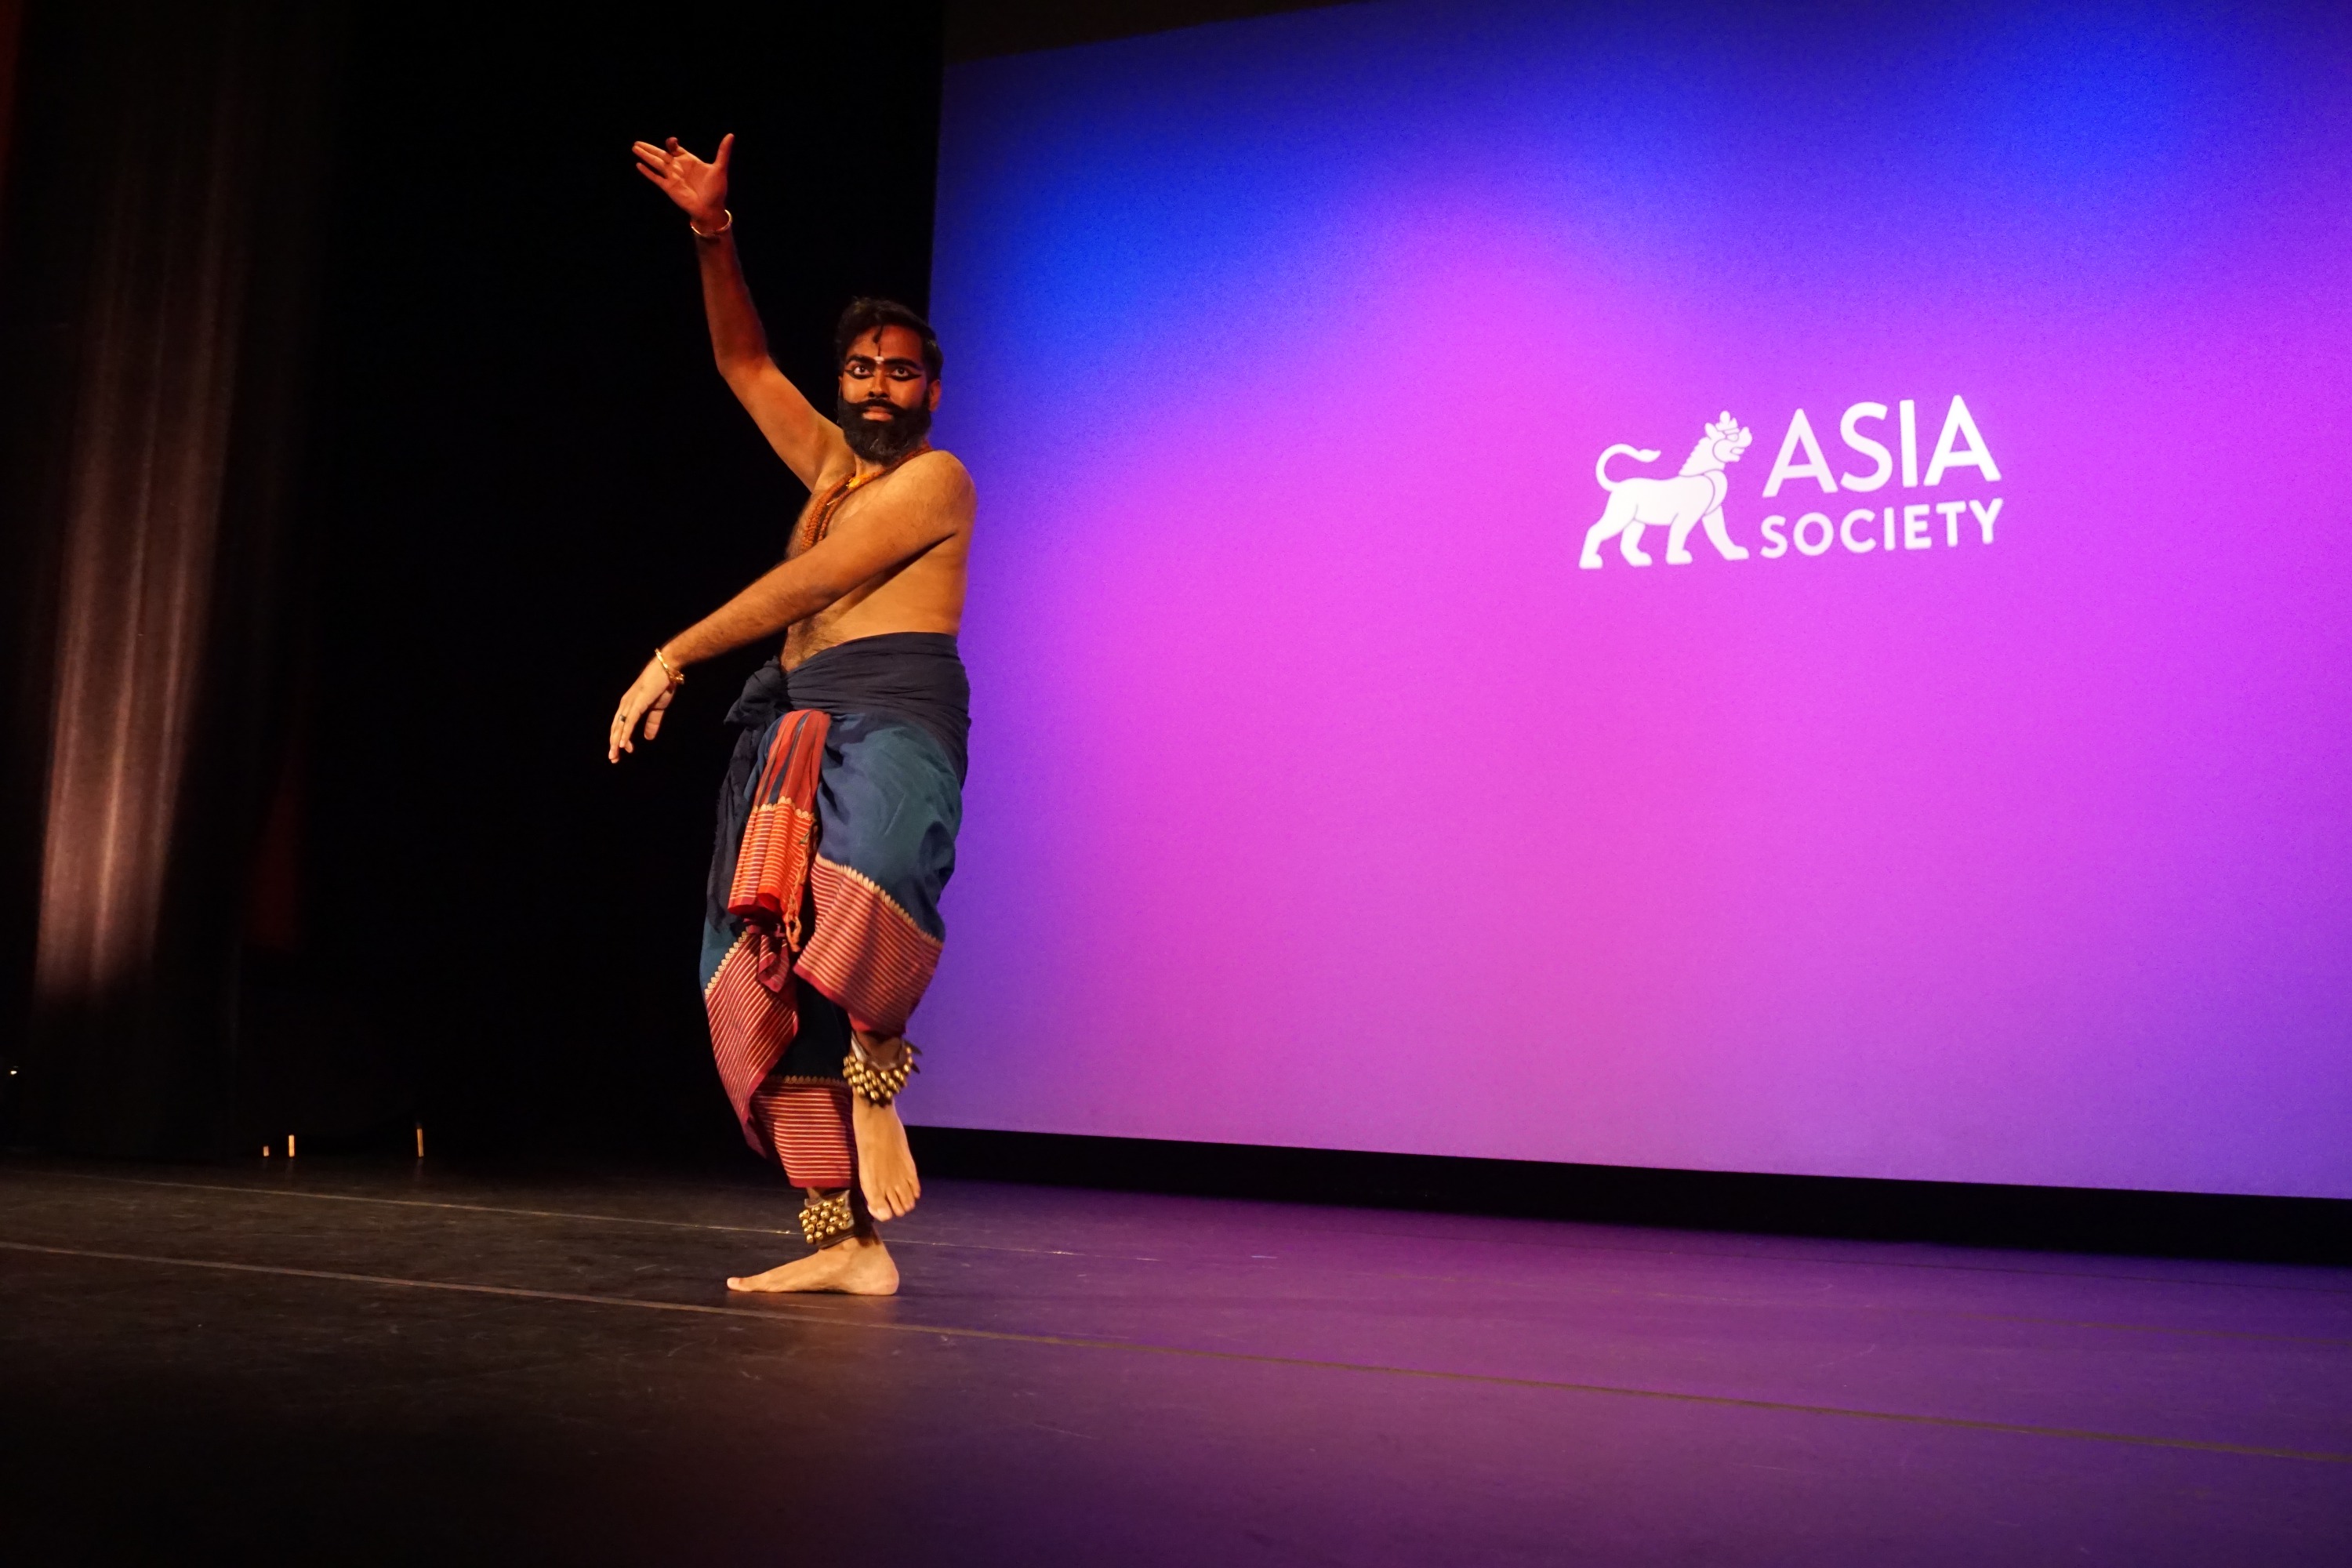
[{"x": 1678, "y": 505}]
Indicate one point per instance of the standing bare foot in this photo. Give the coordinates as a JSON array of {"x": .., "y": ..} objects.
[
  {"x": 886, "y": 1165},
  {"x": 859, "y": 1266}
]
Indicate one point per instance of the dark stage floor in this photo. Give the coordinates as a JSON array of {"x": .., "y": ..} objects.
[{"x": 334, "y": 1361}]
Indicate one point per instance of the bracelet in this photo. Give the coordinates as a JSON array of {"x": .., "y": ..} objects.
[
  {"x": 715, "y": 233},
  {"x": 676, "y": 680}
]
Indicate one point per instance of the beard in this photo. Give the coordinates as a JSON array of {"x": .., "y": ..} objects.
[{"x": 877, "y": 440}]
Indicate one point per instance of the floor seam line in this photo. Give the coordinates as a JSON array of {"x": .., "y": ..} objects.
[
  {"x": 538, "y": 1214},
  {"x": 1053, "y": 1252},
  {"x": 1250, "y": 1358}
]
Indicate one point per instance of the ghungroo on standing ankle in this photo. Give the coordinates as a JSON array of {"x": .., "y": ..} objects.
[{"x": 825, "y": 1220}]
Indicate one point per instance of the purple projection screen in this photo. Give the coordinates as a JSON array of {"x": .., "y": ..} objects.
[{"x": 1707, "y": 589}]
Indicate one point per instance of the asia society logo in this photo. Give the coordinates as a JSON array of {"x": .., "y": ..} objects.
[{"x": 1693, "y": 499}]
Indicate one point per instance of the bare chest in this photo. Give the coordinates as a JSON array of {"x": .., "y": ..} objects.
[
  {"x": 817, "y": 519},
  {"x": 826, "y": 510}
]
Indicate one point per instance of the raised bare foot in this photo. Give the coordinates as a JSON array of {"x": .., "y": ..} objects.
[
  {"x": 886, "y": 1166},
  {"x": 860, "y": 1266}
]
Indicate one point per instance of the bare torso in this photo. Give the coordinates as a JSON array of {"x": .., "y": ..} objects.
[
  {"x": 924, "y": 593},
  {"x": 884, "y": 555}
]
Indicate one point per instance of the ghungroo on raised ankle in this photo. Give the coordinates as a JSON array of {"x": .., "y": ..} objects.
[
  {"x": 824, "y": 1221},
  {"x": 880, "y": 1085}
]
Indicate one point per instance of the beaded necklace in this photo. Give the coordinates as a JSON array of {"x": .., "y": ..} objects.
[{"x": 840, "y": 493}]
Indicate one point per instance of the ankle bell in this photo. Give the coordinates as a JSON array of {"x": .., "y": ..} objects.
[
  {"x": 825, "y": 1220},
  {"x": 878, "y": 1084}
]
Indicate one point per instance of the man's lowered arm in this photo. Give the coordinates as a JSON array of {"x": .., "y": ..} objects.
[{"x": 928, "y": 501}]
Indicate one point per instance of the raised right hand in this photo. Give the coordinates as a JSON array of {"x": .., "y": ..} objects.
[{"x": 698, "y": 188}]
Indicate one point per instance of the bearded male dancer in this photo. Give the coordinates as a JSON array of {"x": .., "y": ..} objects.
[{"x": 837, "y": 821}]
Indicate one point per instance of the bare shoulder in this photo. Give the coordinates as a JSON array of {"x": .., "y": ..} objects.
[
  {"x": 941, "y": 469},
  {"x": 939, "y": 479}
]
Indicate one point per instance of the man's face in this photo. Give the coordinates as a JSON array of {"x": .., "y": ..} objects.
[
  {"x": 885, "y": 367},
  {"x": 884, "y": 400}
]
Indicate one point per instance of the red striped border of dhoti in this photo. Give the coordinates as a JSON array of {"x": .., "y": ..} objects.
[
  {"x": 778, "y": 830},
  {"x": 775, "y": 842},
  {"x": 751, "y": 1027},
  {"x": 809, "y": 1131},
  {"x": 866, "y": 952}
]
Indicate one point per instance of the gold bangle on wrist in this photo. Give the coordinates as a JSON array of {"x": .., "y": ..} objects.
[
  {"x": 676, "y": 678},
  {"x": 715, "y": 233}
]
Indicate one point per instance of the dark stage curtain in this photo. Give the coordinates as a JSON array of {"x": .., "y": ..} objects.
[
  {"x": 531, "y": 473},
  {"x": 12, "y": 23},
  {"x": 468, "y": 491},
  {"x": 157, "y": 277}
]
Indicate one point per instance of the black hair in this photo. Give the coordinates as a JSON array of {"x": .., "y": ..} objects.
[{"x": 866, "y": 315}]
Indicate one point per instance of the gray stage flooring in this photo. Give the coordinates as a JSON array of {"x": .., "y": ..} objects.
[{"x": 384, "y": 1364}]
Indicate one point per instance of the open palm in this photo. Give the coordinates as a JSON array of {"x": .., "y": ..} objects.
[{"x": 699, "y": 188}]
